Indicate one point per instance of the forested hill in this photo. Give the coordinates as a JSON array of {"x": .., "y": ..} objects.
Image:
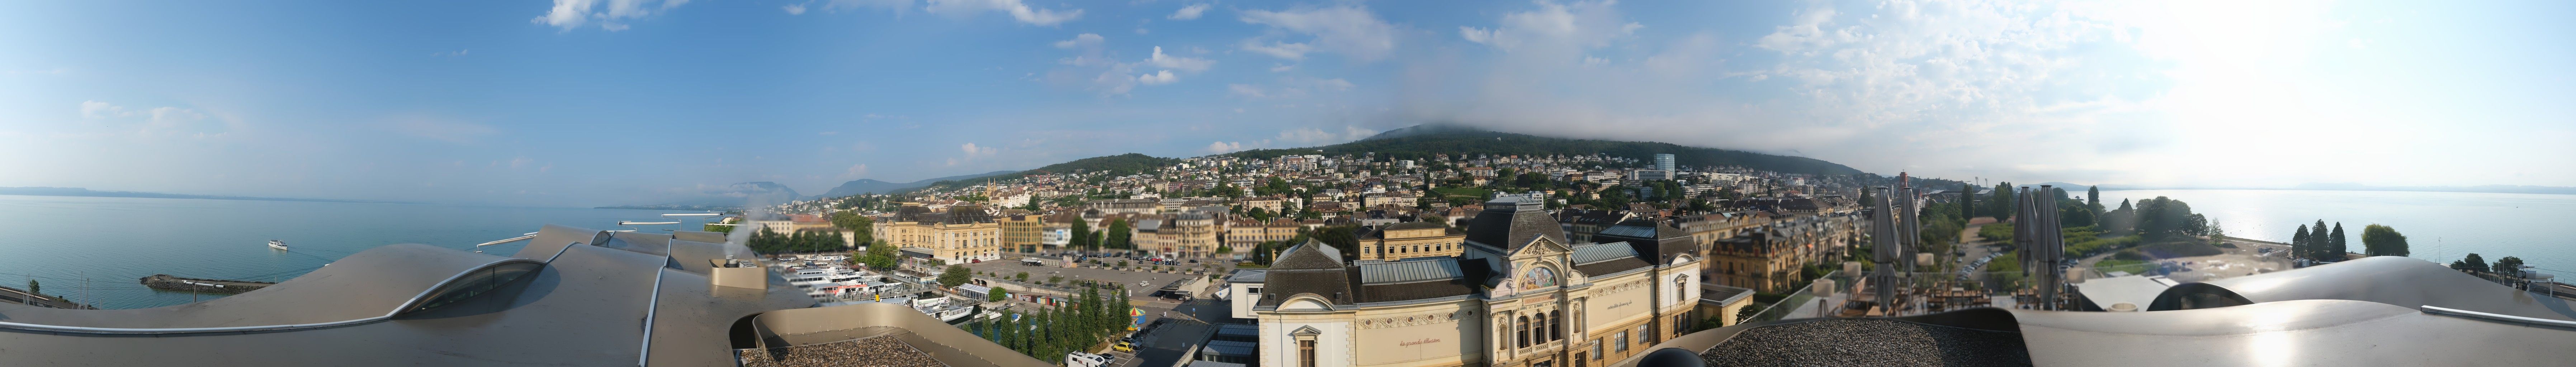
[
  {"x": 1116, "y": 165},
  {"x": 1423, "y": 141}
]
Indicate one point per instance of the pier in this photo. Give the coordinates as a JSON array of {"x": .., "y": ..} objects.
[{"x": 217, "y": 286}]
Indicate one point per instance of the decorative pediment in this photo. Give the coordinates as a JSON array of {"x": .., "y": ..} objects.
[
  {"x": 1306, "y": 331},
  {"x": 1539, "y": 247}
]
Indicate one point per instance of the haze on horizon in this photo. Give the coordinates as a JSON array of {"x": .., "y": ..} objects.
[{"x": 582, "y": 102}]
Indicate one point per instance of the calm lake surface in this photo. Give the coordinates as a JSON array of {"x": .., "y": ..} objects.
[
  {"x": 112, "y": 242},
  {"x": 2439, "y": 226}
]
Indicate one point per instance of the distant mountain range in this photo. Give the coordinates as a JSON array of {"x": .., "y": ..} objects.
[
  {"x": 76, "y": 191},
  {"x": 1429, "y": 139},
  {"x": 869, "y": 185}
]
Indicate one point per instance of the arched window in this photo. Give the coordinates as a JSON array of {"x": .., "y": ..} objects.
[
  {"x": 1522, "y": 328},
  {"x": 1556, "y": 325}
]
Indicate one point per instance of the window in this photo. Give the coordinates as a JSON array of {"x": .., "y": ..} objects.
[
  {"x": 1596, "y": 349},
  {"x": 1556, "y": 325},
  {"x": 1306, "y": 353},
  {"x": 1523, "y": 330},
  {"x": 1622, "y": 340},
  {"x": 1642, "y": 334}
]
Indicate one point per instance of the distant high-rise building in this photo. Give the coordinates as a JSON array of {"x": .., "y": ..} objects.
[{"x": 1664, "y": 162}]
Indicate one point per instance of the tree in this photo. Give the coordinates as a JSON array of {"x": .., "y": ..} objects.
[
  {"x": 1082, "y": 238},
  {"x": 2508, "y": 265},
  {"x": 2335, "y": 239},
  {"x": 956, "y": 274},
  {"x": 998, "y": 295},
  {"x": 1967, "y": 201},
  {"x": 2470, "y": 263},
  {"x": 2379, "y": 240},
  {"x": 2317, "y": 236},
  {"x": 2299, "y": 247},
  {"x": 1120, "y": 236},
  {"x": 1023, "y": 277},
  {"x": 2093, "y": 199},
  {"x": 850, "y": 220},
  {"x": 881, "y": 256},
  {"x": 33, "y": 287}
]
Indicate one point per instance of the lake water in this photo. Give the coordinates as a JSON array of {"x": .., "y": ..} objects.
[
  {"x": 112, "y": 242},
  {"x": 2439, "y": 226}
]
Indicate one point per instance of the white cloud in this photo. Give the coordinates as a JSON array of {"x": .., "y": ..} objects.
[
  {"x": 1097, "y": 71},
  {"x": 100, "y": 110},
  {"x": 1189, "y": 12},
  {"x": 1350, "y": 30},
  {"x": 793, "y": 9},
  {"x": 1334, "y": 84},
  {"x": 1291, "y": 51},
  {"x": 1245, "y": 90},
  {"x": 1177, "y": 62},
  {"x": 1085, "y": 40},
  {"x": 899, "y": 7},
  {"x": 1290, "y": 88},
  {"x": 611, "y": 14},
  {"x": 1282, "y": 68},
  {"x": 1164, "y": 77},
  {"x": 1580, "y": 25},
  {"x": 1875, "y": 90},
  {"x": 973, "y": 151},
  {"x": 1224, "y": 147},
  {"x": 855, "y": 172},
  {"x": 1308, "y": 136},
  {"x": 156, "y": 121},
  {"x": 1018, "y": 11}
]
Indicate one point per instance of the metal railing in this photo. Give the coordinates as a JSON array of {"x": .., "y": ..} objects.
[{"x": 1796, "y": 299}]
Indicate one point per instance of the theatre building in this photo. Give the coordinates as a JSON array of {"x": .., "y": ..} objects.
[{"x": 1517, "y": 295}]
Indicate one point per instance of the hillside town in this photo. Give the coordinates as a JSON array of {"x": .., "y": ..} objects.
[{"x": 1761, "y": 227}]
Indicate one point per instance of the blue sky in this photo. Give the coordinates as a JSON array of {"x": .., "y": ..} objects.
[{"x": 615, "y": 102}]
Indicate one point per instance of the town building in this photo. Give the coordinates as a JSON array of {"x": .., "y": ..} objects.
[
  {"x": 1185, "y": 235},
  {"x": 1411, "y": 240},
  {"x": 1518, "y": 295},
  {"x": 1024, "y": 234},
  {"x": 963, "y": 233},
  {"x": 1243, "y": 235}
]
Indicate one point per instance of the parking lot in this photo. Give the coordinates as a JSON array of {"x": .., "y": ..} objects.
[{"x": 1142, "y": 283}]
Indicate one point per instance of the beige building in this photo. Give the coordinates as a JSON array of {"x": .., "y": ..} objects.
[
  {"x": 963, "y": 233},
  {"x": 1769, "y": 258},
  {"x": 1185, "y": 235},
  {"x": 1243, "y": 235},
  {"x": 1411, "y": 240},
  {"x": 1519, "y": 295},
  {"x": 1023, "y": 234}
]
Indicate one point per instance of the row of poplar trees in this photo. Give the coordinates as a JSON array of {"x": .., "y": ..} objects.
[
  {"x": 1052, "y": 331},
  {"x": 2315, "y": 242}
]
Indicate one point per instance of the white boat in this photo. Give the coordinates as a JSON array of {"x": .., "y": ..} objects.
[
  {"x": 276, "y": 244},
  {"x": 952, "y": 314}
]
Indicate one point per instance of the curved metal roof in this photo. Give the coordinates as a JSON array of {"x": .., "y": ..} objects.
[
  {"x": 2400, "y": 281},
  {"x": 589, "y": 306},
  {"x": 2320, "y": 332},
  {"x": 371, "y": 284}
]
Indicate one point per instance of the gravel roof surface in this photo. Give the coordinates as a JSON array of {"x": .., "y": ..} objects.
[
  {"x": 882, "y": 351},
  {"x": 1868, "y": 342}
]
